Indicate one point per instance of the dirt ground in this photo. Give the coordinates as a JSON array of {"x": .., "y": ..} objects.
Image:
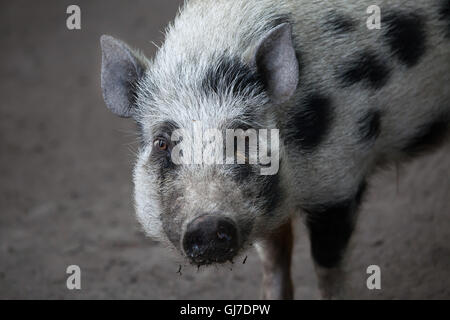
[{"x": 66, "y": 191}]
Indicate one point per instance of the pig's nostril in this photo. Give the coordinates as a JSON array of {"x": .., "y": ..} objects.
[{"x": 210, "y": 239}]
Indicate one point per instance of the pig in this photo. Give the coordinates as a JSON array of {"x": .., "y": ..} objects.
[{"x": 346, "y": 99}]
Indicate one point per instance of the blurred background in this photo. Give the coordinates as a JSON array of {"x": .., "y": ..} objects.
[{"x": 66, "y": 188}]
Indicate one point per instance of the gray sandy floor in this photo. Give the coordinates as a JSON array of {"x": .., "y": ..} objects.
[{"x": 66, "y": 192}]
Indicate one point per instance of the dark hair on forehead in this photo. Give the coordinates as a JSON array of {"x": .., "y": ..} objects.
[{"x": 230, "y": 74}]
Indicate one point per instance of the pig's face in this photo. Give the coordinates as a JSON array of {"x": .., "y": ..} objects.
[
  {"x": 187, "y": 193},
  {"x": 209, "y": 211}
]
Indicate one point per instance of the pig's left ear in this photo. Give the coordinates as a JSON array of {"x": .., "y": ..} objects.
[
  {"x": 121, "y": 70},
  {"x": 276, "y": 62}
]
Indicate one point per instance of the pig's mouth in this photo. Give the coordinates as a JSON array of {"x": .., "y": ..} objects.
[
  {"x": 210, "y": 256},
  {"x": 211, "y": 239}
]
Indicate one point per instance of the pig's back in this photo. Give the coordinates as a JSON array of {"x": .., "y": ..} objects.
[{"x": 388, "y": 85}]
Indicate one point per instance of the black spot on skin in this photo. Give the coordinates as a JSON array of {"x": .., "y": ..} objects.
[
  {"x": 330, "y": 227},
  {"x": 367, "y": 68},
  {"x": 444, "y": 15},
  {"x": 269, "y": 192},
  {"x": 231, "y": 73},
  {"x": 405, "y": 34},
  {"x": 369, "y": 127},
  {"x": 264, "y": 189},
  {"x": 311, "y": 122},
  {"x": 339, "y": 23},
  {"x": 240, "y": 172},
  {"x": 429, "y": 137}
]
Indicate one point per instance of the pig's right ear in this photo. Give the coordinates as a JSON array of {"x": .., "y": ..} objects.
[{"x": 121, "y": 70}]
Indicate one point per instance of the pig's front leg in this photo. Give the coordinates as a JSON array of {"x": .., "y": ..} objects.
[
  {"x": 330, "y": 227},
  {"x": 275, "y": 252},
  {"x": 330, "y": 281}
]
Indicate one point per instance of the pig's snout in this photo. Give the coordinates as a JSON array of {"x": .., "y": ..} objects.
[{"x": 211, "y": 239}]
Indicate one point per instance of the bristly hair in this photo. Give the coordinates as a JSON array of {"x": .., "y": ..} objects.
[{"x": 230, "y": 75}]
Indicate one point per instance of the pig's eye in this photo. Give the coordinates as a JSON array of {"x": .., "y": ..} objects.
[{"x": 160, "y": 144}]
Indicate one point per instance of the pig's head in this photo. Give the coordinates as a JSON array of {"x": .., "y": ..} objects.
[{"x": 209, "y": 211}]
